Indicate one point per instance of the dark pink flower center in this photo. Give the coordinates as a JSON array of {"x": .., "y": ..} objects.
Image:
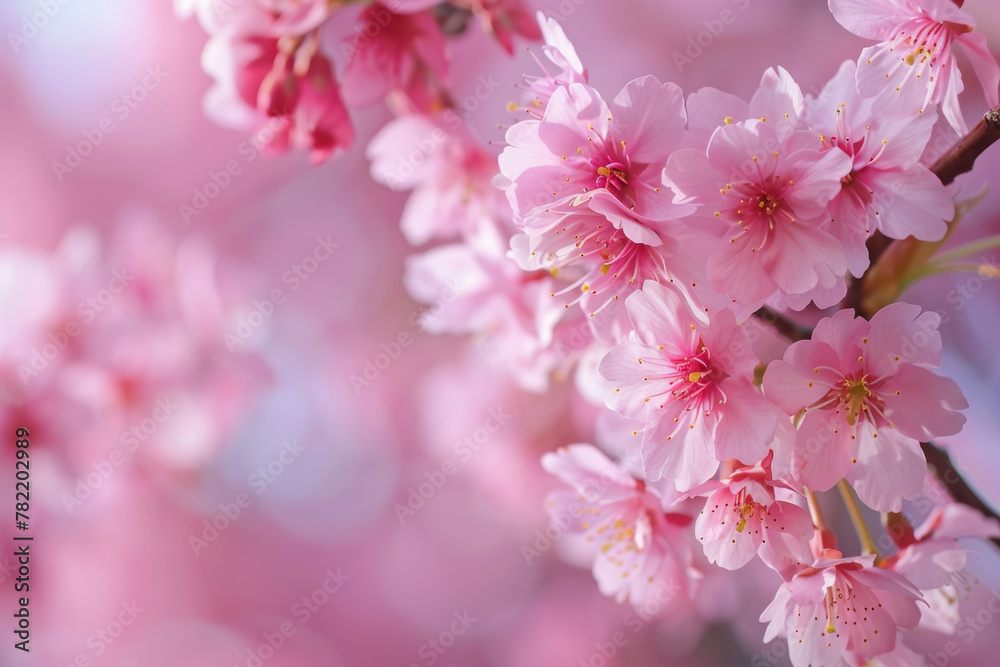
[
  {"x": 612, "y": 176},
  {"x": 694, "y": 375},
  {"x": 612, "y": 172},
  {"x": 762, "y": 207}
]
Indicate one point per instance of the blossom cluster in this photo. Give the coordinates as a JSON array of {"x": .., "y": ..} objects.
[
  {"x": 644, "y": 244},
  {"x": 273, "y": 66}
]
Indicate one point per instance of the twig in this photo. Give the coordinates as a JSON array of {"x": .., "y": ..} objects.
[
  {"x": 962, "y": 156},
  {"x": 783, "y": 325}
]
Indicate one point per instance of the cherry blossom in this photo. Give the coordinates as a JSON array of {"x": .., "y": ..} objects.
[
  {"x": 888, "y": 189},
  {"x": 560, "y": 51},
  {"x": 284, "y": 87},
  {"x": 451, "y": 177},
  {"x": 503, "y": 19},
  {"x": 840, "y": 608},
  {"x": 743, "y": 517},
  {"x": 407, "y": 54},
  {"x": 638, "y": 547},
  {"x": 762, "y": 187},
  {"x": 933, "y": 559},
  {"x": 585, "y": 187},
  {"x": 867, "y": 397},
  {"x": 688, "y": 377},
  {"x": 913, "y": 65},
  {"x": 507, "y": 309}
]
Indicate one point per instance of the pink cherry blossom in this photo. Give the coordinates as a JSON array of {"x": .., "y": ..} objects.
[
  {"x": 451, "y": 178},
  {"x": 887, "y": 190},
  {"x": 689, "y": 378},
  {"x": 868, "y": 397},
  {"x": 638, "y": 548},
  {"x": 287, "y": 89},
  {"x": 507, "y": 309},
  {"x": 586, "y": 187},
  {"x": 296, "y": 17},
  {"x": 933, "y": 559},
  {"x": 407, "y": 55},
  {"x": 839, "y": 609},
  {"x": 560, "y": 51},
  {"x": 281, "y": 17},
  {"x": 742, "y": 517},
  {"x": 763, "y": 187},
  {"x": 320, "y": 122},
  {"x": 503, "y": 19},
  {"x": 913, "y": 66}
]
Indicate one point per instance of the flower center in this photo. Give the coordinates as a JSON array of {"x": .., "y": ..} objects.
[
  {"x": 855, "y": 396},
  {"x": 612, "y": 176},
  {"x": 767, "y": 203},
  {"x": 745, "y": 510}
]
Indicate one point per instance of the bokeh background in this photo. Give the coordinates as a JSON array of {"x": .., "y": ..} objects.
[{"x": 139, "y": 555}]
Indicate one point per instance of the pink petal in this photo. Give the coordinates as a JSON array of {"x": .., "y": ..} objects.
[
  {"x": 570, "y": 110},
  {"x": 627, "y": 389},
  {"x": 959, "y": 520},
  {"x": 985, "y": 65},
  {"x": 913, "y": 202},
  {"x": 902, "y": 330},
  {"x": 922, "y": 405},
  {"x": 930, "y": 565},
  {"x": 785, "y": 547},
  {"x": 716, "y": 529},
  {"x": 691, "y": 175},
  {"x": 901, "y": 93},
  {"x": 890, "y": 468},
  {"x": 686, "y": 457},
  {"x": 778, "y": 100},
  {"x": 708, "y": 109},
  {"x": 649, "y": 117},
  {"x": 801, "y": 258},
  {"x": 871, "y": 19},
  {"x": 817, "y": 180},
  {"x": 747, "y": 422},
  {"x": 792, "y": 384},
  {"x": 661, "y": 315},
  {"x": 823, "y": 450},
  {"x": 583, "y": 466},
  {"x": 843, "y": 332}
]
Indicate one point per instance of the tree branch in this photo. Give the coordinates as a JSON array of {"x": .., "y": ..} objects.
[
  {"x": 958, "y": 489},
  {"x": 962, "y": 156},
  {"x": 783, "y": 325}
]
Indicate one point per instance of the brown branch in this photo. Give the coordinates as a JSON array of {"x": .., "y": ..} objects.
[
  {"x": 783, "y": 325},
  {"x": 957, "y": 487},
  {"x": 962, "y": 156}
]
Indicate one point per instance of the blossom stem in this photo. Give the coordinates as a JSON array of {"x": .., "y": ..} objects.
[
  {"x": 968, "y": 249},
  {"x": 827, "y": 538},
  {"x": 985, "y": 270},
  {"x": 847, "y": 493}
]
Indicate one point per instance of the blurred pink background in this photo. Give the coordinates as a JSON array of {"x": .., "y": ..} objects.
[{"x": 321, "y": 567}]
